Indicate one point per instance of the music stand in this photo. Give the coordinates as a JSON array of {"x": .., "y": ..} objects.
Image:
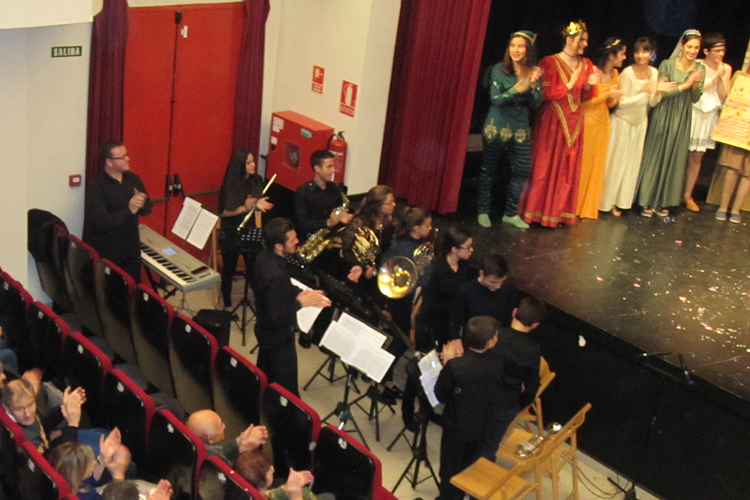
[
  {"x": 416, "y": 422},
  {"x": 339, "y": 338},
  {"x": 251, "y": 242}
]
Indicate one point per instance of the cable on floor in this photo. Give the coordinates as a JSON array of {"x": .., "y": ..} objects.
[{"x": 604, "y": 494}]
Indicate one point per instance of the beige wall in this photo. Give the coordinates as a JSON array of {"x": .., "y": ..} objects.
[
  {"x": 33, "y": 13},
  {"x": 42, "y": 135},
  {"x": 353, "y": 41}
]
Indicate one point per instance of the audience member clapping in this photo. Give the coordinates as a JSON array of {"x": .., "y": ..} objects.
[
  {"x": 209, "y": 428},
  {"x": 255, "y": 467}
]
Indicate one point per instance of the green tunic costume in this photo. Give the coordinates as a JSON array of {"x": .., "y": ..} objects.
[{"x": 661, "y": 180}]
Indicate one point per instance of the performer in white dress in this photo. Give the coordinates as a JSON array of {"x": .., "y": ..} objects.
[
  {"x": 629, "y": 121},
  {"x": 706, "y": 110}
]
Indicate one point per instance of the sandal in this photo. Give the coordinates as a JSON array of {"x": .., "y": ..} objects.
[
  {"x": 647, "y": 212},
  {"x": 691, "y": 205},
  {"x": 615, "y": 211},
  {"x": 661, "y": 212}
]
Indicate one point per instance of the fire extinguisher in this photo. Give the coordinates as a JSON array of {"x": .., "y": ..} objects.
[{"x": 337, "y": 145}]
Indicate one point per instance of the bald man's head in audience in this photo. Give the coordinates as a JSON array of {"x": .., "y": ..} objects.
[{"x": 208, "y": 426}]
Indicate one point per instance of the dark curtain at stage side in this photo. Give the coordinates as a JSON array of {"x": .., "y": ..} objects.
[
  {"x": 249, "y": 98},
  {"x": 435, "y": 70},
  {"x": 109, "y": 37}
]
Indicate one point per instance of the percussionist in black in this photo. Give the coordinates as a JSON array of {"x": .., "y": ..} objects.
[
  {"x": 315, "y": 202},
  {"x": 115, "y": 200},
  {"x": 277, "y": 301}
]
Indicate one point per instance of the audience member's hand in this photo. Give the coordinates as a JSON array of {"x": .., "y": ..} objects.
[
  {"x": 452, "y": 349},
  {"x": 71, "y": 405},
  {"x": 108, "y": 446},
  {"x": 163, "y": 491},
  {"x": 314, "y": 298},
  {"x": 137, "y": 201},
  {"x": 295, "y": 482},
  {"x": 120, "y": 463},
  {"x": 252, "y": 438},
  {"x": 34, "y": 377}
]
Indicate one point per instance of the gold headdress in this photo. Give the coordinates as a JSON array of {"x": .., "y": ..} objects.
[
  {"x": 528, "y": 35},
  {"x": 613, "y": 44},
  {"x": 574, "y": 29}
]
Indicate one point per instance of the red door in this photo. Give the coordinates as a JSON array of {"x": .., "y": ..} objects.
[{"x": 196, "y": 62}]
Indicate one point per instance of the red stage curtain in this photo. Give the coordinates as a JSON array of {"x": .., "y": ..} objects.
[
  {"x": 249, "y": 97},
  {"x": 109, "y": 36},
  {"x": 435, "y": 71}
]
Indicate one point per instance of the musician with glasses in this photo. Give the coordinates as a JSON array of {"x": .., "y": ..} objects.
[
  {"x": 317, "y": 203},
  {"x": 115, "y": 200},
  {"x": 241, "y": 192}
]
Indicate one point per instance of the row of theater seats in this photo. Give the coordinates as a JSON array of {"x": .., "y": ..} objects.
[{"x": 198, "y": 374}]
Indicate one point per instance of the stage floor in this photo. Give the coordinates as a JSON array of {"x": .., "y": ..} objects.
[{"x": 677, "y": 284}]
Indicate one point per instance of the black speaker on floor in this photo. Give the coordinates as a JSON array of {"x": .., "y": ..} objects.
[{"x": 217, "y": 323}]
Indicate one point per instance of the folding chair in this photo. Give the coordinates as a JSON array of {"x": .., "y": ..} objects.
[
  {"x": 129, "y": 409},
  {"x": 114, "y": 288},
  {"x": 344, "y": 467},
  {"x": 192, "y": 352},
  {"x": 238, "y": 387},
  {"x": 564, "y": 450},
  {"x": 14, "y": 303},
  {"x": 174, "y": 453},
  {"x": 151, "y": 318},
  {"x": 11, "y": 437},
  {"x": 294, "y": 427},
  {"x": 80, "y": 263},
  {"x": 85, "y": 365},
  {"x": 36, "y": 477},
  {"x": 218, "y": 480}
]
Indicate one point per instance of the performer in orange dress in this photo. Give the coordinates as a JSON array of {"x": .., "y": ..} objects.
[
  {"x": 605, "y": 95},
  {"x": 550, "y": 195}
]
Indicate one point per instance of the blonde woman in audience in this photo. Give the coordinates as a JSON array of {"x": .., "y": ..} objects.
[
  {"x": 706, "y": 110},
  {"x": 605, "y": 95},
  {"x": 641, "y": 91}
]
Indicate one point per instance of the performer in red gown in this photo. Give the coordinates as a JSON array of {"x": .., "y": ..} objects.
[{"x": 551, "y": 192}]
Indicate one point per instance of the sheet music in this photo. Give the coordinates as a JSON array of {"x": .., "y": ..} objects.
[
  {"x": 202, "y": 229},
  {"x": 362, "y": 329},
  {"x": 186, "y": 219},
  {"x": 430, "y": 366},
  {"x": 306, "y": 316},
  {"x": 363, "y": 352}
]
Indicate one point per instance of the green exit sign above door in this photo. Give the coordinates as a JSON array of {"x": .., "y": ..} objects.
[{"x": 72, "y": 51}]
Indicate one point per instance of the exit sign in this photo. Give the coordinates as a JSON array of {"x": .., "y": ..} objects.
[{"x": 72, "y": 51}]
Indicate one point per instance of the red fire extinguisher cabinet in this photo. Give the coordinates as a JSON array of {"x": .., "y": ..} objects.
[{"x": 294, "y": 137}]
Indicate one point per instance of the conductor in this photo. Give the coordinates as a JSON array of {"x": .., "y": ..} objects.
[{"x": 277, "y": 301}]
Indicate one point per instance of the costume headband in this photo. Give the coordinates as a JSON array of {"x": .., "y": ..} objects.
[
  {"x": 613, "y": 44},
  {"x": 528, "y": 35},
  {"x": 574, "y": 29}
]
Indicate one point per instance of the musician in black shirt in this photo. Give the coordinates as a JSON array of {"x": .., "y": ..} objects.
[
  {"x": 240, "y": 193},
  {"x": 315, "y": 202},
  {"x": 115, "y": 199},
  {"x": 277, "y": 301}
]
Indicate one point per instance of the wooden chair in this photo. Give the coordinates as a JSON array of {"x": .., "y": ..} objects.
[
  {"x": 562, "y": 447},
  {"x": 532, "y": 414},
  {"x": 486, "y": 480}
]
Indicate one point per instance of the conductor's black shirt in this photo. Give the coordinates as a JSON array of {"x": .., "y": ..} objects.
[{"x": 275, "y": 301}]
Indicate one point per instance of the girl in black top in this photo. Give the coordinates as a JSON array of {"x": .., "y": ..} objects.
[
  {"x": 240, "y": 193},
  {"x": 446, "y": 275}
]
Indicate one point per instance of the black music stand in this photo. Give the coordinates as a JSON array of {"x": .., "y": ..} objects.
[
  {"x": 251, "y": 242},
  {"x": 417, "y": 423}
]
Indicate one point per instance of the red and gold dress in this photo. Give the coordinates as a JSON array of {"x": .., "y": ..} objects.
[{"x": 551, "y": 193}]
